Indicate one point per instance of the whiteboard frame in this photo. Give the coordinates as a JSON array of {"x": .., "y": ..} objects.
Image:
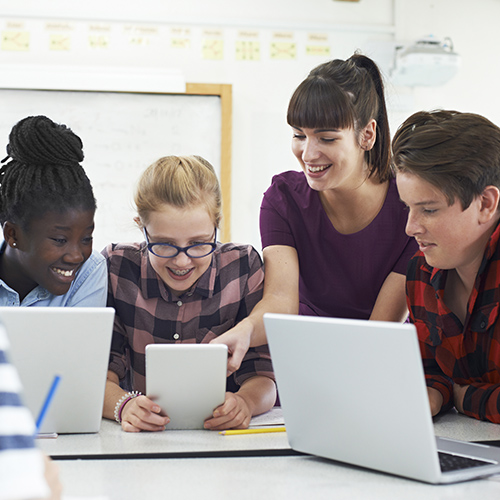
[
  {"x": 168, "y": 81},
  {"x": 225, "y": 92}
]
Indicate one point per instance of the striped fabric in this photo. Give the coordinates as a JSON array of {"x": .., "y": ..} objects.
[
  {"x": 21, "y": 463},
  {"x": 467, "y": 354}
]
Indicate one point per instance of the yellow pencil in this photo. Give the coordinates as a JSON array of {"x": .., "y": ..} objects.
[{"x": 259, "y": 430}]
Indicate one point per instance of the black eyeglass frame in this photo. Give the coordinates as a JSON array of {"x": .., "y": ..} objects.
[{"x": 180, "y": 249}]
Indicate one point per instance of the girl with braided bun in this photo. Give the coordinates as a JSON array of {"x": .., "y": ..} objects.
[
  {"x": 333, "y": 234},
  {"x": 47, "y": 209}
]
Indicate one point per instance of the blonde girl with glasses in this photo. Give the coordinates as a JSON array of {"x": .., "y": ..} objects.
[{"x": 181, "y": 286}]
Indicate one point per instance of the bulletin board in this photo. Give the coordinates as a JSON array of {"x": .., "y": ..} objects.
[{"x": 124, "y": 132}]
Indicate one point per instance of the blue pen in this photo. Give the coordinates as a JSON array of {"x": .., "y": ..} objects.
[{"x": 47, "y": 402}]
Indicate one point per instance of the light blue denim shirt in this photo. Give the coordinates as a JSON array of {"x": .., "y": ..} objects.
[{"x": 88, "y": 289}]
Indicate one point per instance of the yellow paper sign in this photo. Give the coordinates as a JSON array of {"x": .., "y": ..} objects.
[
  {"x": 16, "y": 40},
  {"x": 318, "y": 50},
  {"x": 59, "y": 42},
  {"x": 181, "y": 43},
  {"x": 213, "y": 48},
  {"x": 283, "y": 50},
  {"x": 99, "y": 41},
  {"x": 247, "y": 50}
]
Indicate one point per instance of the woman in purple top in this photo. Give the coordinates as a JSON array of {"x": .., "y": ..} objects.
[{"x": 333, "y": 234}]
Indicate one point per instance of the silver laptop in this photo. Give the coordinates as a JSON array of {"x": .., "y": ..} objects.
[
  {"x": 354, "y": 391},
  {"x": 188, "y": 381},
  {"x": 73, "y": 342}
]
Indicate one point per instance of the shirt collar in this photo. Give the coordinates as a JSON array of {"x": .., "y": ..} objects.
[{"x": 438, "y": 276}]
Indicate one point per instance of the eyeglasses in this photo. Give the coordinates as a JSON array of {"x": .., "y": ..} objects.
[{"x": 167, "y": 251}]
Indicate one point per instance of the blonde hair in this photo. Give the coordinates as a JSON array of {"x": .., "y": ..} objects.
[{"x": 180, "y": 181}]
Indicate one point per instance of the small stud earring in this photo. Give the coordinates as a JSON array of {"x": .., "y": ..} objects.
[{"x": 14, "y": 244}]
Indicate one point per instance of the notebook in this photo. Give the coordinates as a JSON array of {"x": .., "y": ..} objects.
[
  {"x": 188, "y": 381},
  {"x": 354, "y": 391},
  {"x": 73, "y": 342}
]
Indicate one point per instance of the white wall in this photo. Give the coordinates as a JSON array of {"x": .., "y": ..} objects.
[
  {"x": 261, "y": 89},
  {"x": 473, "y": 27}
]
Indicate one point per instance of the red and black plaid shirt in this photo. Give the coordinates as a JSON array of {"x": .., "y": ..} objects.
[{"x": 467, "y": 354}]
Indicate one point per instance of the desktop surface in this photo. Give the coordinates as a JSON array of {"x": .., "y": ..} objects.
[{"x": 287, "y": 477}]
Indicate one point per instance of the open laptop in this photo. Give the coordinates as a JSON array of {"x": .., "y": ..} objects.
[
  {"x": 187, "y": 381},
  {"x": 354, "y": 391},
  {"x": 73, "y": 342}
]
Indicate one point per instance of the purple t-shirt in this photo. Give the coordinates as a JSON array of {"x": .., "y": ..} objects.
[{"x": 340, "y": 274}]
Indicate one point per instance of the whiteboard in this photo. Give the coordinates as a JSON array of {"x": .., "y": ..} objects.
[{"x": 122, "y": 134}]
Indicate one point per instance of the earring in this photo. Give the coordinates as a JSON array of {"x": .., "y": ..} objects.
[{"x": 14, "y": 244}]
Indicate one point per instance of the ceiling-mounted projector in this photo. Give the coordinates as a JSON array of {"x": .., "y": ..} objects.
[{"x": 428, "y": 62}]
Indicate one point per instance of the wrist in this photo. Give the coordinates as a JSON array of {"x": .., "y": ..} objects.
[
  {"x": 120, "y": 404},
  {"x": 246, "y": 400},
  {"x": 435, "y": 399},
  {"x": 247, "y": 329}
]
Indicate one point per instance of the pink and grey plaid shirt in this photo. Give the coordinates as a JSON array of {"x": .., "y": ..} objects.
[{"x": 147, "y": 312}]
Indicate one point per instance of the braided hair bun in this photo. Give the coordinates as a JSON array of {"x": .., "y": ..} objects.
[{"x": 42, "y": 171}]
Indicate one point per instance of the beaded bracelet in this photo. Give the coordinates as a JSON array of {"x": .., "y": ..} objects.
[{"x": 122, "y": 402}]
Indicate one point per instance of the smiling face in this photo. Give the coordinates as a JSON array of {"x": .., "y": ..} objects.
[
  {"x": 330, "y": 158},
  {"x": 181, "y": 227},
  {"x": 51, "y": 250},
  {"x": 448, "y": 236}
]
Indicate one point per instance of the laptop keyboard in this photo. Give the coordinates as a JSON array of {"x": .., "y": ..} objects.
[{"x": 453, "y": 462}]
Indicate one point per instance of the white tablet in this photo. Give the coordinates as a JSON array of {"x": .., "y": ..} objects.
[{"x": 188, "y": 381}]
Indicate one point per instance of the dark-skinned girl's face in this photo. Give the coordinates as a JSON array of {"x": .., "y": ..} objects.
[{"x": 53, "y": 248}]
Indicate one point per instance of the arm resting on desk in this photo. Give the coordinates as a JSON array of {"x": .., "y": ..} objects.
[
  {"x": 256, "y": 395},
  {"x": 138, "y": 414},
  {"x": 478, "y": 400}
]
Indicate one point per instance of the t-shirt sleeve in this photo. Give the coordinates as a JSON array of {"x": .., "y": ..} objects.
[{"x": 274, "y": 226}]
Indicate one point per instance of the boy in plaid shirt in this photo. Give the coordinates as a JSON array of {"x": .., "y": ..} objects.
[{"x": 448, "y": 175}]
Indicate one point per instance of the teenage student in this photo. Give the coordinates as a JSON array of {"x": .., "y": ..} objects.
[
  {"x": 448, "y": 174},
  {"x": 181, "y": 285},
  {"x": 24, "y": 471},
  {"x": 47, "y": 211},
  {"x": 333, "y": 233}
]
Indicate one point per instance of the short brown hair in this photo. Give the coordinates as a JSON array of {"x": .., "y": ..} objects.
[
  {"x": 180, "y": 181},
  {"x": 459, "y": 153},
  {"x": 345, "y": 94}
]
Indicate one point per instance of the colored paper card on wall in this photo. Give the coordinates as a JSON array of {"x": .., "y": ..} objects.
[
  {"x": 247, "y": 50},
  {"x": 59, "y": 42},
  {"x": 318, "y": 50},
  {"x": 15, "y": 40},
  {"x": 99, "y": 41},
  {"x": 180, "y": 43},
  {"x": 283, "y": 50},
  {"x": 213, "y": 49}
]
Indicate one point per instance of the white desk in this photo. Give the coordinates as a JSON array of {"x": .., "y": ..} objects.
[
  {"x": 260, "y": 477},
  {"x": 112, "y": 442},
  {"x": 458, "y": 426},
  {"x": 275, "y": 478}
]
